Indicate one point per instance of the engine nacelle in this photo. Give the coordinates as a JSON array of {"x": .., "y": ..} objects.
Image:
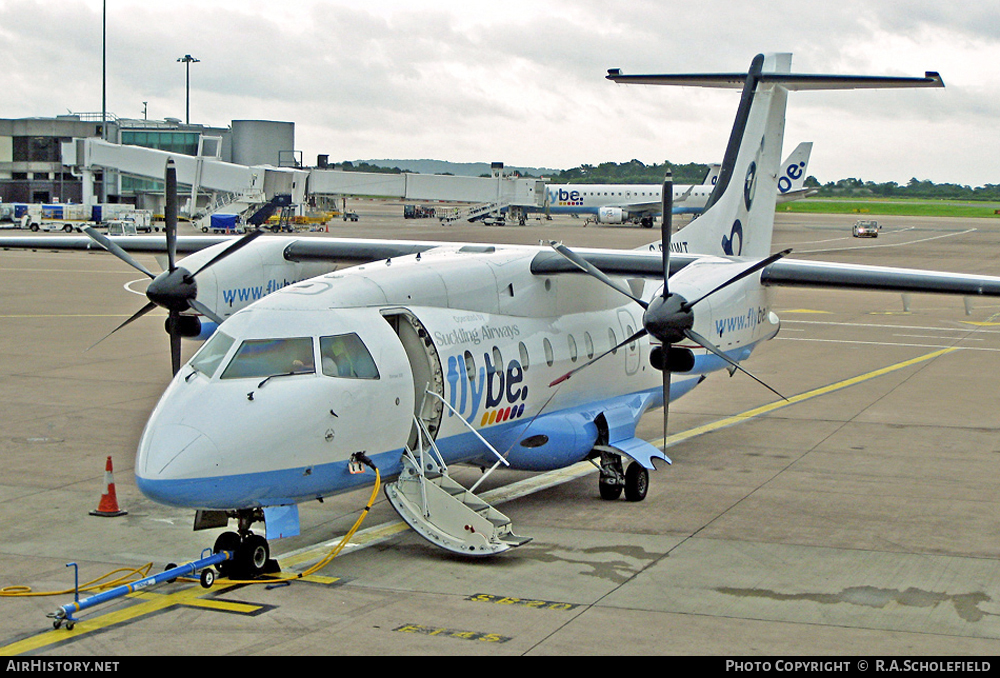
[{"x": 611, "y": 215}]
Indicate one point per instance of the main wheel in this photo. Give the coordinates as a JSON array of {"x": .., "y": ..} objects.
[
  {"x": 609, "y": 492},
  {"x": 636, "y": 482}
]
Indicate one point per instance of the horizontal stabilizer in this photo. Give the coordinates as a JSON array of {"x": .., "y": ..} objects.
[{"x": 790, "y": 81}]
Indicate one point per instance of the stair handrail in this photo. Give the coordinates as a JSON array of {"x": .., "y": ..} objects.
[{"x": 500, "y": 457}]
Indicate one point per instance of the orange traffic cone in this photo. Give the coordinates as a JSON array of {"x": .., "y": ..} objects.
[{"x": 109, "y": 501}]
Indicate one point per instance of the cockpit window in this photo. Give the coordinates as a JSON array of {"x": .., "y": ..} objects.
[
  {"x": 211, "y": 354},
  {"x": 345, "y": 355},
  {"x": 272, "y": 357}
]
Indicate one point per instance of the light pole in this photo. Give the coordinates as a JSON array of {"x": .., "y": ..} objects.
[{"x": 187, "y": 60}]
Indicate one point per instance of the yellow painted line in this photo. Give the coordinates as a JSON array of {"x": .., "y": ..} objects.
[
  {"x": 149, "y": 604},
  {"x": 980, "y": 324},
  {"x": 804, "y": 310},
  {"x": 766, "y": 409}
]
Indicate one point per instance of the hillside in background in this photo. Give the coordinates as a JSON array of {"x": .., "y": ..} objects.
[{"x": 462, "y": 169}]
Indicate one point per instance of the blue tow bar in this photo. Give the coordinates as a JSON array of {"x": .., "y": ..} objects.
[{"x": 64, "y": 615}]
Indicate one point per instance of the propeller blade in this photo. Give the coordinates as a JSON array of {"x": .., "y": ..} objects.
[
  {"x": 175, "y": 343},
  {"x": 635, "y": 337},
  {"x": 135, "y": 316},
  {"x": 242, "y": 242},
  {"x": 104, "y": 242},
  {"x": 170, "y": 213},
  {"x": 705, "y": 343},
  {"x": 204, "y": 310},
  {"x": 666, "y": 401},
  {"x": 666, "y": 226},
  {"x": 593, "y": 271},
  {"x": 753, "y": 269}
]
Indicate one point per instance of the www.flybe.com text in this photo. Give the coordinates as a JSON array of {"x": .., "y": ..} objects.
[
  {"x": 745, "y": 321},
  {"x": 254, "y": 292}
]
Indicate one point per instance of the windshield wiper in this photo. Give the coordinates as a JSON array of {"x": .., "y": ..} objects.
[{"x": 284, "y": 374}]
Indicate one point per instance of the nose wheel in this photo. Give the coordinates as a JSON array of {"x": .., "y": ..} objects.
[{"x": 251, "y": 555}]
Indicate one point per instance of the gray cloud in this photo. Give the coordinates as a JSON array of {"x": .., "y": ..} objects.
[{"x": 524, "y": 83}]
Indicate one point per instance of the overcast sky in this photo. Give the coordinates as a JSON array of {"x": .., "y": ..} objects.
[{"x": 522, "y": 82}]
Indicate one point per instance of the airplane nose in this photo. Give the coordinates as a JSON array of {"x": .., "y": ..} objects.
[{"x": 170, "y": 457}]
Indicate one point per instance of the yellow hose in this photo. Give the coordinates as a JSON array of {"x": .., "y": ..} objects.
[
  {"x": 92, "y": 585},
  {"x": 333, "y": 552}
]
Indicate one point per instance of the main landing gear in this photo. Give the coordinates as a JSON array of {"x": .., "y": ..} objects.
[
  {"x": 252, "y": 555},
  {"x": 634, "y": 480}
]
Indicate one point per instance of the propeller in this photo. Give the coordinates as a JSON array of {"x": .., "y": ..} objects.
[
  {"x": 668, "y": 317},
  {"x": 175, "y": 289}
]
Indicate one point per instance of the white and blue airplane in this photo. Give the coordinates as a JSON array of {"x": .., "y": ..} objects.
[
  {"x": 641, "y": 203},
  {"x": 374, "y": 359}
]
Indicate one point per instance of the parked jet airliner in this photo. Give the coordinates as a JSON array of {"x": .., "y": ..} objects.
[{"x": 641, "y": 203}]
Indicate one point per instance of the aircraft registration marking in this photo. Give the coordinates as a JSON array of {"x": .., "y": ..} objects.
[
  {"x": 452, "y": 633},
  {"x": 522, "y": 602}
]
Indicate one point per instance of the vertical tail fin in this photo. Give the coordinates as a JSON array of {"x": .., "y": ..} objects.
[{"x": 739, "y": 217}]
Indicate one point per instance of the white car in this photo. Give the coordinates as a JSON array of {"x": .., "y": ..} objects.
[{"x": 866, "y": 228}]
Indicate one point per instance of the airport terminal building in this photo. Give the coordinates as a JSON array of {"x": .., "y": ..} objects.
[{"x": 31, "y": 169}]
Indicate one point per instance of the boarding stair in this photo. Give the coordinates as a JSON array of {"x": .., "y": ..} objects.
[
  {"x": 443, "y": 511},
  {"x": 227, "y": 203},
  {"x": 490, "y": 210}
]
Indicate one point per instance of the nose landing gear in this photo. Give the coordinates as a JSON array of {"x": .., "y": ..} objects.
[{"x": 252, "y": 553}]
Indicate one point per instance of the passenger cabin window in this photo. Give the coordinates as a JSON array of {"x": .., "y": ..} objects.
[
  {"x": 272, "y": 357},
  {"x": 345, "y": 355},
  {"x": 208, "y": 359}
]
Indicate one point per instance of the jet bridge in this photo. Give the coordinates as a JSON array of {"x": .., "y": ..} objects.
[
  {"x": 252, "y": 184},
  {"x": 235, "y": 184}
]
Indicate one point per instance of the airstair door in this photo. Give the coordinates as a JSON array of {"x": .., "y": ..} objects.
[{"x": 425, "y": 365}]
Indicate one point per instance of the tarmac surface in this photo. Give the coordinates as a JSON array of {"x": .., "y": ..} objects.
[{"x": 859, "y": 519}]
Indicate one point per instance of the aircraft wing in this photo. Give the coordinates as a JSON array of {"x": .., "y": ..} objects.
[
  {"x": 799, "y": 273},
  {"x": 784, "y": 273},
  {"x": 796, "y": 195},
  {"x": 635, "y": 207},
  {"x": 333, "y": 250},
  {"x": 154, "y": 244},
  {"x": 646, "y": 263}
]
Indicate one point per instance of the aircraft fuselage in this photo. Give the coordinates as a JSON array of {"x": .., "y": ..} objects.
[{"x": 273, "y": 407}]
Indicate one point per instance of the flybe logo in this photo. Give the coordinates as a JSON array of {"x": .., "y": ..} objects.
[
  {"x": 565, "y": 198},
  {"x": 792, "y": 174},
  {"x": 498, "y": 392}
]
